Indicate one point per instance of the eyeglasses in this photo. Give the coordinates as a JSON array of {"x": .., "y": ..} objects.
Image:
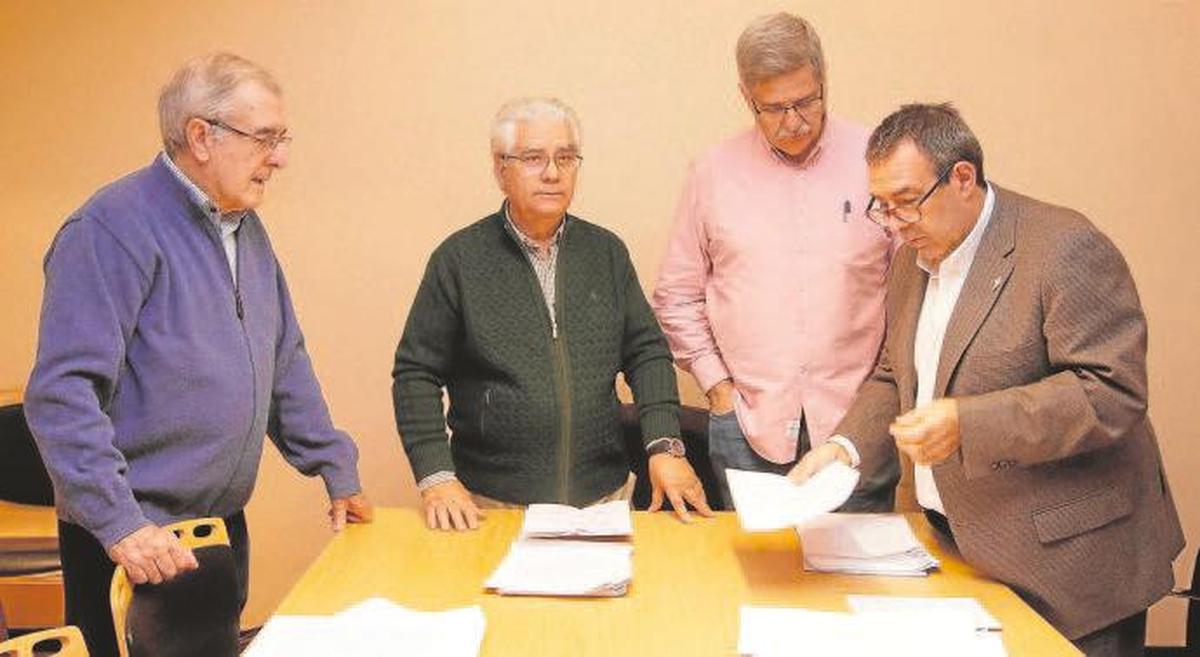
[
  {"x": 907, "y": 213},
  {"x": 535, "y": 162},
  {"x": 267, "y": 141},
  {"x": 807, "y": 109}
]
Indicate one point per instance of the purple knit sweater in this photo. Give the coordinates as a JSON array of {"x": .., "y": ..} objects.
[{"x": 157, "y": 376}]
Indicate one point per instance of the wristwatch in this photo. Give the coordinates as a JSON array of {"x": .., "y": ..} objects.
[{"x": 672, "y": 446}]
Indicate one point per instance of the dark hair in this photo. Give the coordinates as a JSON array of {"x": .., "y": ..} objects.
[{"x": 938, "y": 131}]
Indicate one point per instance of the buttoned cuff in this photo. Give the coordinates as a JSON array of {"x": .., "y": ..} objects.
[
  {"x": 709, "y": 370},
  {"x": 839, "y": 439}
]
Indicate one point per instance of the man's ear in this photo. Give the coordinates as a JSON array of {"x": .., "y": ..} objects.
[
  {"x": 197, "y": 133},
  {"x": 746, "y": 96},
  {"x": 964, "y": 176},
  {"x": 498, "y": 165}
]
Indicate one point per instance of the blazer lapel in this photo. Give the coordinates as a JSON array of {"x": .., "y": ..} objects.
[
  {"x": 985, "y": 281},
  {"x": 903, "y": 332}
]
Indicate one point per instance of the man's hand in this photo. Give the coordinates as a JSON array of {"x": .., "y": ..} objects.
[
  {"x": 928, "y": 434},
  {"x": 355, "y": 509},
  {"x": 720, "y": 397},
  {"x": 152, "y": 555},
  {"x": 816, "y": 459},
  {"x": 448, "y": 506},
  {"x": 672, "y": 477}
]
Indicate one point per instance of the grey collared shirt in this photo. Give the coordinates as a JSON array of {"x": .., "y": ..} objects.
[{"x": 227, "y": 224}]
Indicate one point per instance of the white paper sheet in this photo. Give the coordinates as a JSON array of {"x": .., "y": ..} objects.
[
  {"x": 767, "y": 501},
  {"x": 374, "y": 627},
  {"x": 778, "y": 632},
  {"x": 881, "y": 603},
  {"x": 608, "y": 520},
  {"x": 564, "y": 568}
]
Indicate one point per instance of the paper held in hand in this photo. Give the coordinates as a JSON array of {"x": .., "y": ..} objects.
[{"x": 767, "y": 502}]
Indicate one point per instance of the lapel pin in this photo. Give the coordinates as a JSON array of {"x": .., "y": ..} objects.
[{"x": 996, "y": 283}]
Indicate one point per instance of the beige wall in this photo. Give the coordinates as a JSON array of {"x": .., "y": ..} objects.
[{"x": 1087, "y": 104}]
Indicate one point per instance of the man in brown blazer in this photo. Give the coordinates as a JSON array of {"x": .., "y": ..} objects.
[{"x": 1013, "y": 375}]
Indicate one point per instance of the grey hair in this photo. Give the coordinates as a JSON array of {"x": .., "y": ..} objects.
[
  {"x": 937, "y": 130},
  {"x": 519, "y": 110},
  {"x": 204, "y": 87},
  {"x": 777, "y": 44}
]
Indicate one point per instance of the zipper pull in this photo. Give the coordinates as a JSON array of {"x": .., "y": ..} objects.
[{"x": 237, "y": 298}]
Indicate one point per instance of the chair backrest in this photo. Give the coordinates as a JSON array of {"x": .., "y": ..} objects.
[
  {"x": 1193, "y": 613},
  {"x": 69, "y": 640},
  {"x": 194, "y": 614},
  {"x": 693, "y": 424},
  {"x": 23, "y": 477}
]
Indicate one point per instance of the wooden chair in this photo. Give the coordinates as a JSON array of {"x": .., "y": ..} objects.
[
  {"x": 69, "y": 640},
  {"x": 196, "y": 613},
  {"x": 30, "y": 576}
]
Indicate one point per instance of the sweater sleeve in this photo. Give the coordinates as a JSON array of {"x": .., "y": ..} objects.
[
  {"x": 94, "y": 291},
  {"x": 646, "y": 360},
  {"x": 298, "y": 422},
  {"x": 423, "y": 360}
]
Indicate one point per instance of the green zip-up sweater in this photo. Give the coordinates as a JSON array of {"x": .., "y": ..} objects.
[{"x": 533, "y": 417}]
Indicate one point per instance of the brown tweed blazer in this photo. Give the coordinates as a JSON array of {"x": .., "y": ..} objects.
[{"x": 1058, "y": 488}]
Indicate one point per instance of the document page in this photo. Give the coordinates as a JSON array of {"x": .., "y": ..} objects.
[
  {"x": 607, "y": 520},
  {"x": 766, "y": 501},
  {"x": 564, "y": 568}
]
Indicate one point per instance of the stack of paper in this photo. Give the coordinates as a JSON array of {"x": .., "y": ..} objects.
[
  {"x": 864, "y": 544},
  {"x": 564, "y": 568},
  {"x": 608, "y": 520},
  {"x": 775, "y": 632},
  {"x": 541, "y": 562},
  {"x": 375, "y": 627},
  {"x": 767, "y": 501}
]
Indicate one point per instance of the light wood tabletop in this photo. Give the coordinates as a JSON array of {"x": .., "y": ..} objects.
[{"x": 688, "y": 584}]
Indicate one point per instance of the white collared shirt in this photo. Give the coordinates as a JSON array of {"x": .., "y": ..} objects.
[{"x": 941, "y": 295}]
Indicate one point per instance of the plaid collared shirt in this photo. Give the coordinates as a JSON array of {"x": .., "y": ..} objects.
[{"x": 543, "y": 258}]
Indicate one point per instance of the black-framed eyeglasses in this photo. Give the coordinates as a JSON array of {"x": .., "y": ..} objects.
[
  {"x": 266, "y": 141},
  {"x": 807, "y": 108},
  {"x": 909, "y": 213},
  {"x": 535, "y": 162}
]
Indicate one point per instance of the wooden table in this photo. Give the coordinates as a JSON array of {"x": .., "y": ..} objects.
[{"x": 688, "y": 583}]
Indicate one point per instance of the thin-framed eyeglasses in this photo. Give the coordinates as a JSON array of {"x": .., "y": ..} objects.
[
  {"x": 907, "y": 213},
  {"x": 268, "y": 141},
  {"x": 535, "y": 162},
  {"x": 807, "y": 108}
]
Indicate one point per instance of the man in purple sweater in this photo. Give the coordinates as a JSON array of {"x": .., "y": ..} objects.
[{"x": 169, "y": 347}]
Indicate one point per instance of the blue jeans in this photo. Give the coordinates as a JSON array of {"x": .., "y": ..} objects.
[{"x": 728, "y": 448}]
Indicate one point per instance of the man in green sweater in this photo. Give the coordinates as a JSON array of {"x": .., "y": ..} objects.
[{"x": 525, "y": 318}]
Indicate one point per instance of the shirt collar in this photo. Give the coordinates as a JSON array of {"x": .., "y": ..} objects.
[
  {"x": 528, "y": 242},
  {"x": 813, "y": 157},
  {"x": 227, "y": 222},
  {"x": 959, "y": 260}
]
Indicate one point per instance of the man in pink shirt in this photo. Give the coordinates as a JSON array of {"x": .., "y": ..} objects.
[{"x": 771, "y": 292}]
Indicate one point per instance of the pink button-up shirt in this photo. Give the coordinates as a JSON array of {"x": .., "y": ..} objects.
[{"x": 773, "y": 278}]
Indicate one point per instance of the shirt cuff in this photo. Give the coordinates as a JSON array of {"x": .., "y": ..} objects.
[
  {"x": 657, "y": 440},
  {"x": 439, "y": 477},
  {"x": 849, "y": 447},
  {"x": 709, "y": 370}
]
